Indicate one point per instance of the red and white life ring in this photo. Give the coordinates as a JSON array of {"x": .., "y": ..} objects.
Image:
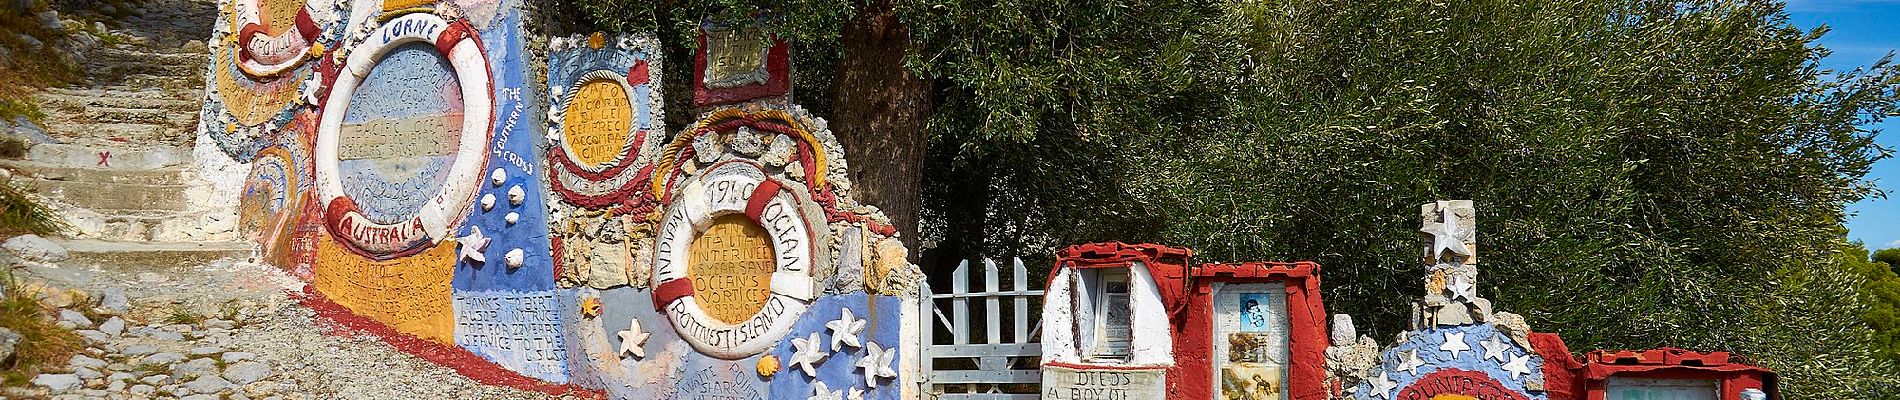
[
  {"x": 729, "y": 188},
  {"x": 458, "y": 42}
]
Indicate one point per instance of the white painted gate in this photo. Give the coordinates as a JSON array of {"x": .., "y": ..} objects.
[{"x": 992, "y": 367}]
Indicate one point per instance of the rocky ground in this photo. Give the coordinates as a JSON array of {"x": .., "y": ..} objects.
[{"x": 225, "y": 330}]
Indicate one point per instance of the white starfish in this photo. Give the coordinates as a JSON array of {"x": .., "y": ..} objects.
[
  {"x": 820, "y": 392},
  {"x": 634, "y": 340},
  {"x": 877, "y": 363},
  {"x": 1519, "y": 366},
  {"x": 1410, "y": 362},
  {"x": 1454, "y": 343},
  {"x": 474, "y": 244},
  {"x": 844, "y": 330},
  {"x": 809, "y": 353},
  {"x": 1383, "y": 385},
  {"x": 1495, "y": 347}
]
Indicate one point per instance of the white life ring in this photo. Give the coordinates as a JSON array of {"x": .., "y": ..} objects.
[
  {"x": 456, "y": 41},
  {"x": 732, "y": 188}
]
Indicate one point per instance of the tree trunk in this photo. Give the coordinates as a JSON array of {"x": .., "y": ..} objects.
[{"x": 878, "y": 113}]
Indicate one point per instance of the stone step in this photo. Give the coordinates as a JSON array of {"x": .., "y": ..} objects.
[
  {"x": 117, "y": 63},
  {"x": 189, "y": 86},
  {"x": 85, "y": 153},
  {"x": 157, "y": 255},
  {"x": 112, "y": 198},
  {"x": 124, "y": 132},
  {"x": 114, "y": 115},
  {"x": 151, "y": 98},
  {"x": 175, "y": 175}
]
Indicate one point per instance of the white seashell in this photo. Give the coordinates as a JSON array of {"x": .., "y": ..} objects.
[
  {"x": 515, "y": 258},
  {"x": 512, "y": 218},
  {"x": 497, "y": 176},
  {"x": 516, "y": 195},
  {"x": 488, "y": 201}
]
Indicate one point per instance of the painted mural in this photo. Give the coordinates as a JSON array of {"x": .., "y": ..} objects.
[
  {"x": 516, "y": 207},
  {"x": 401, "y": 157}
]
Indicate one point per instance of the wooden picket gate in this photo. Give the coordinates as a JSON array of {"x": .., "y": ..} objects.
[{"x": 992, "y": 368}]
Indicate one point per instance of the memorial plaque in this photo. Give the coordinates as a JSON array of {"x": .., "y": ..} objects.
[
  {"x": 1102, "y": 384},
  {"x": 731, "y": 265},
  {"x": 597, "y": 122},
  {"x": 736, "y": 57}
]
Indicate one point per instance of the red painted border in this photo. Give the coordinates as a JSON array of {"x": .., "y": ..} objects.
[{"x": 462, "y": 361}]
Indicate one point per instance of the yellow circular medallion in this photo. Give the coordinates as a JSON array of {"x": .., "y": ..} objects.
[
  {"x": 596, "y": 123},
  {"x": 731, "y": 267}
]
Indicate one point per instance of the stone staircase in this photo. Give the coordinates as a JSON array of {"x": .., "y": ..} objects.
[{"x": 120, "y": 168}]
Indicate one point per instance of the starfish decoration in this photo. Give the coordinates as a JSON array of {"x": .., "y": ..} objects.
[
  {"x": 1495, "y": 347},
  {"x": 856, "y": 394},
  {"x": 1519, "y": 366},
  {"x": 474, "y": 244},
  {"x": 1445, "y": 236},
  {"x": 1454, "y": 343},
  {"x": 1383, "y": 385},
  {"x": 1410, "y": 362},
  {"x": 809, "y": 352},
  {"x": 820, "y": 392},
  {"x": 634, "y": 340},
  {"x": 1461, "y": 288},
  {"x": 844, "y": 330},
  {"x": 877, "y": 363}
]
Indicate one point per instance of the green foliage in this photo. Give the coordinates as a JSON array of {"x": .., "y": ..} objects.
[
  {"x": 43, "y": 344},
  {"x": 1891, "y": 256},
  {"x": 1880, "y": 292},
  {"x": 20, "y": 212}
]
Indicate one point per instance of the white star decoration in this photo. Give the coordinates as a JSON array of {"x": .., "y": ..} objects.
[
  {"x": 634, "y": 340},
  {"x": 1460, "y": 288},
  {"x": 1495, "y": 348},
  {"x": 820, "y": 392},
  {"x": 1410, "y": 362},
  {"x": 877, "y": 363},
  {"x": 1445, "y": 236},
  {"x": 856, "y": 394},
  {"x": 1519, "y": 366},
  {"x": 809, "y": 352},
  {"x": 1454, "y": 343},
  {"x": 474, "y": 244},
  {"x": 844, "y": 330},
  {"x": 1383, "y": 385}
]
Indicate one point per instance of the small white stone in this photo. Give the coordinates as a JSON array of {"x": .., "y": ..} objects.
[
  {"x": 488, "y": 201},
  {"x": 515, "y": 258},
  {"x": 497, "y": 176},
  {"x": 512, "y": 218},
  {"x": 516, "y": 195}
]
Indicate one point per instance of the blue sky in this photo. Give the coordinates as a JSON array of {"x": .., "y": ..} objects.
[{"x": 1861, "y": 32}]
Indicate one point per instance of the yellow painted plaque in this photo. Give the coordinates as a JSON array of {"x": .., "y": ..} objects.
[
  {"x": 410, "y": 294},
  {"x": 597, "y": 122},
  {"x": 731, "y": 267},
  {"x": 279, "y": 15}
]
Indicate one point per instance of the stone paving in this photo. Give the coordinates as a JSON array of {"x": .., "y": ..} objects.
[{"x": 223, "y": 330}]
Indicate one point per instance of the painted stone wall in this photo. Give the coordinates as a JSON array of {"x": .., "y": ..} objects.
[{"x": 411, "y": 162}]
